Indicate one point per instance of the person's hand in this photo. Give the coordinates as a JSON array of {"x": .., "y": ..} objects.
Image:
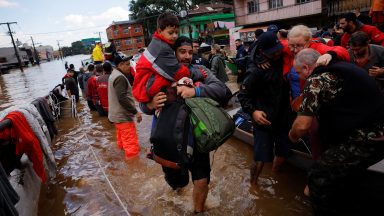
[
  {"x": 264, "y": 65},
  {"x": 158, "y": 101},
  {"x": 260, "y": 118},
  {"x": 186, "y": 91},
  {"x": 376, "y": 71},
  {"x": 138, "y": 117},
  {"x": 324, "y": 60}
]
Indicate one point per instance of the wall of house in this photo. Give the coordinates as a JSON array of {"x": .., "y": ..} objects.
[
  {"x": 290, "y": 9},
  {"x": 127, "y": 37}
]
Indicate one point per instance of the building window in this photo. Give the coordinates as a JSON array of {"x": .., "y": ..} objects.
[
  {"x": 275, "y": 3},
  {"x": 126, "y": 30},
  {"x": 139, "y": 40},
  {"x": 302, "y": 1},
  {"x": 253, "y": 6},
  {"x": 117, "y": 42},
  {"x": 128, "y": 41},
  {"x": 116, "y": 32},
  {"x": 137, "y": 29}
]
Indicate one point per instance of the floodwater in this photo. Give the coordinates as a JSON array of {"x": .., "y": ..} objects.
[{"x": 88, "y": 142}]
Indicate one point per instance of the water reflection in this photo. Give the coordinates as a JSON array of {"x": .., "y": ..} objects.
[{"x": 81, "y": 189}]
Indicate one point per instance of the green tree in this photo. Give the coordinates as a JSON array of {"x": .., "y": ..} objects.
[
  {"x": 67, "y": 51},
  {"x": 78, "y": 48},
  {"x": 146, "y": 12}
]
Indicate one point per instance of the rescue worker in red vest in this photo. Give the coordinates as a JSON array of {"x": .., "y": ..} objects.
[
  {"x": 350, "y": 24},
  {"x": 91, "y": 91},
  {"x": 102, "y": 90}
]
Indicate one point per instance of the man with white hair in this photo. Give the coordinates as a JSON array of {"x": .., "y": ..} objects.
[
  {"x": 350, "y": 109},
  {"x": 300, "y": 37}
]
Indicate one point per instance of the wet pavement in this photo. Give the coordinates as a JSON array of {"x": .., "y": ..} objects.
[{"x": 80, "y": 187}]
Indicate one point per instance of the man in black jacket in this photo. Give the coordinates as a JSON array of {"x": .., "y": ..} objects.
[
  {"x": 241, "y": 60},
  {"x": 264, "y": 95},
  {"x": 350, "y": 110}
]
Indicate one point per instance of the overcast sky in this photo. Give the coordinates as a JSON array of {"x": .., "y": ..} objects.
[{"x": 67, "y": 20}]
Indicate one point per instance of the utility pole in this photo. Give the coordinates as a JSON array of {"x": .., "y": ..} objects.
[
  {"x": 13, "y": 42},
  {"x": 36, "y": 54},
  {"x": 60, "y": 54},
  {"x": 99, "y": 35}
]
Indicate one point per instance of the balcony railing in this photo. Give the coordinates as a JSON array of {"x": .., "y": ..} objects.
[{"x": 336, "y": 7}]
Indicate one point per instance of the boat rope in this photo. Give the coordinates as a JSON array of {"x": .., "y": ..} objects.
[{"x": 100, "y": 167}]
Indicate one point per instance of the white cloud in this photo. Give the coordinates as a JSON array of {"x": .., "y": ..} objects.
[
  {"x": 85, "y": 26},
  {"x": 105, "y": 18},
  {"x": 6, "y": 3}
]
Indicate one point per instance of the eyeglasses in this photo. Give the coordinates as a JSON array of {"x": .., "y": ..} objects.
[{"x": 296, "y": 46}]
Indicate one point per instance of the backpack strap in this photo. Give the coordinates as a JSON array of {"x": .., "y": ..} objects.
[{"x": 166, "y": 163}]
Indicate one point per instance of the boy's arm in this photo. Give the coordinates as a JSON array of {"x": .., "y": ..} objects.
[{"x": 167, "y": 65}]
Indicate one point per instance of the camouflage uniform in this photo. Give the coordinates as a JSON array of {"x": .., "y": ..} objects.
[{"x": 334, "y": 179}]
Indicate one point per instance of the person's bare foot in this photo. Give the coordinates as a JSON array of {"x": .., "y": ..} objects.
[
  {"x": 306, "y": 191},
  {"x": 254, "y": 177}
]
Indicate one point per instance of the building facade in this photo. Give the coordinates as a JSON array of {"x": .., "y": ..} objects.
[
  {"x": 127, "y": 36},
  {"x": 45, "y": 52},
  {"x": 252, "y": 14},
  {"x": 214, "y": 26},
  {"x": 283, "y": 12}
]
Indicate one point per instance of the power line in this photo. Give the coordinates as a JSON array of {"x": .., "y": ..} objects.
[{"x": 70, "y": 30}]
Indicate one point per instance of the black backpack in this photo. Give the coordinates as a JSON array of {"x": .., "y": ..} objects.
[{"x": 171, "y": 136}]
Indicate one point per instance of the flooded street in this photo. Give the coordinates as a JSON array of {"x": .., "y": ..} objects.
[{"x": 81, "y": 188}]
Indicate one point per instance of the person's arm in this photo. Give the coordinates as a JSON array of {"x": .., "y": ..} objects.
[
  {"x": 214, "y": 89},
  {"x": 330, "y": 53},
  {"x": 247, "y": 94},
  {"x": 308, "y": 109},
  {"x": 214, "y": 66},
  {"x": 89, "y": 88},
  {"x": 124, "y": 94},
  {"x": 167, "y": 65},
  {"x": 377, "y": 37},
  {"x": 300, "y": 127},
  {"x": 157, "y": 102},
  {"x": 68, "y": 87}
]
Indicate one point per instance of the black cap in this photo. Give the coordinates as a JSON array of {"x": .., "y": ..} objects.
[
  {"x": 120, "y": 57},
  {"x": 272, "y": 28},
  {"x": 269, "y": 43},
  {"x": 258, "y": 32}
]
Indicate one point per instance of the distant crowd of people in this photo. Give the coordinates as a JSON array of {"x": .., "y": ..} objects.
[{"x": 324, "y": 88}]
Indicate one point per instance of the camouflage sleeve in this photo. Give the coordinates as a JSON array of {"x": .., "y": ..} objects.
[
  {"x": 317, "y": 90},
  {"x": 310, "y": 103}
]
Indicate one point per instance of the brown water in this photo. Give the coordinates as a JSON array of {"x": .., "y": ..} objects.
[{"x": 80, "y": 187}]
